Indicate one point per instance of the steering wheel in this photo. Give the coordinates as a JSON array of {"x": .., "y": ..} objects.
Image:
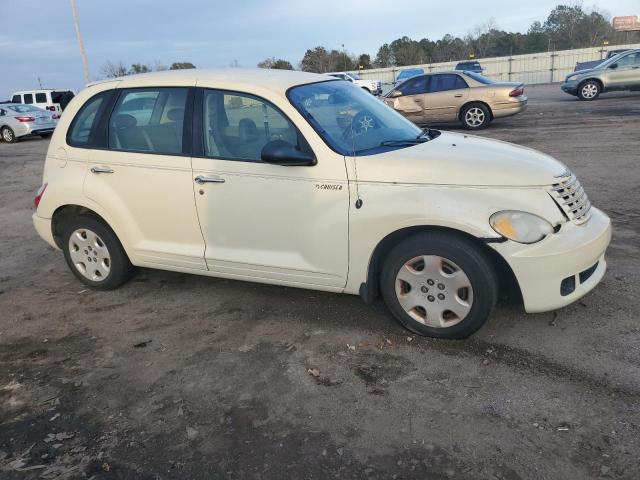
[{"x": 362, "y": 123}]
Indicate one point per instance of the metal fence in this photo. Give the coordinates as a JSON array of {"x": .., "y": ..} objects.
[{"x": 546, "y": 67}]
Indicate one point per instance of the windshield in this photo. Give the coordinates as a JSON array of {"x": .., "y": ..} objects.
[
  {"x": 479, "y": 78},
  {"x": 352, "y": 121},
  {"x": 24, "y": 108}
]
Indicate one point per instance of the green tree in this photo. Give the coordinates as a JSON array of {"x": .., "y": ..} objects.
[
  {"x": 278, "y": 64},
  {"x": 139, "y": 68},
  {"x": 364, "y": 61}
]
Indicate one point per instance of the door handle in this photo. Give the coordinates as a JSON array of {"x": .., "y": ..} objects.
[
  {"x": 200, "y": 179},
  {"x": 458, "y": 95},
  {"x": 101, "y": 170}
]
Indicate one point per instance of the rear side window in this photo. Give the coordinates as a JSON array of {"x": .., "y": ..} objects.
[
  {"x": 41, "y": 98},
  {"x": 442, "y": 83},
  {"x": 83, "y": 126},
  {"x": 28, "y": 98},
  {"x": 149, "y": 120},
  {"x": 57, "y": 96},
  {"x": 16, "y": 99}
]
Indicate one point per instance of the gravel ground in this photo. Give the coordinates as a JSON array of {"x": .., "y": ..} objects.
[{"x": 184, "y": 377}]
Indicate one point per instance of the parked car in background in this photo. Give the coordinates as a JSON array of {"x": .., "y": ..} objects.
[
  {"x": 595, "y": 63},
  {"x": 470, "y": 66},
  {"x": 620, "y": 72},
  {"x": 408, "y": 73},
  {"x": 17, "y": 121},
  {"x": 466, "y": 97},
  {"x": 52, "y": 100},
  {"x": 269, "y": 192},
  {"x": 371, "y": 86}
]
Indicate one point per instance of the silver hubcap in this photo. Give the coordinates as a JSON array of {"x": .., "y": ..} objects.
[
  {"x": 89, "y": 254},
  {"x": 7, "y": 135},
  {"x": 434, "y": 291},
  {"x": 589, "y": 90},
  {"x": 474, "y": 117}
]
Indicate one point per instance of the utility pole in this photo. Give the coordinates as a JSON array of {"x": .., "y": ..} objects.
[{"x": 83, "y": 54}]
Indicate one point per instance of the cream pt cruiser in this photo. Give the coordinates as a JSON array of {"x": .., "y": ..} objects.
[{"x": 303, "y": 180}]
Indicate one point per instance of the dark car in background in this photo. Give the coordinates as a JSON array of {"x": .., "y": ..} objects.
[
  {"x": 595, "y": 63},
  {"x": 470, "y": 66}
]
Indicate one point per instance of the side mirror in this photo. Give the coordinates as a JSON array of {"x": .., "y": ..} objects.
[
  {"x": 395, "y": 94},
  {"x": 279, "y": 152},
  {"x": 613, "y": 66}
]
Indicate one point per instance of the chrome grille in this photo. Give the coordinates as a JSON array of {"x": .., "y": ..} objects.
[{"x": 571, "y": 197}]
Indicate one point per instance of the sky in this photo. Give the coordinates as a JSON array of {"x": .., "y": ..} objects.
[{"x": 40, "y": 41}]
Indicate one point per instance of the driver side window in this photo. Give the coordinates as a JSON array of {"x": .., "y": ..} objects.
[
  {"x": 415, "y": 86},
  {"x": 237, "y": 126},
  {"x": 630, "y": 60}
]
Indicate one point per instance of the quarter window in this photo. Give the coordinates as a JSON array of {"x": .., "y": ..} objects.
[
  {"x": 28, "y": 98},
  {"x": 149, "y": 120},
  {"x": 442, "y": 83},
  {"x": 84, "y": 124},
  {"x": 237, "y": 126},
  {"x": 41, "y": 98}
]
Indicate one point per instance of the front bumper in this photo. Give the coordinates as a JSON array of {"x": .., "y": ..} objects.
[
  {"x": 570, "y": 87},
  {"x": 43, "y": 227},
  {"x": 541, "y": 268}
]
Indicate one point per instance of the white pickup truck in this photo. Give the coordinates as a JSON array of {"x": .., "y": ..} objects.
[{"x": 371, "y": 86}]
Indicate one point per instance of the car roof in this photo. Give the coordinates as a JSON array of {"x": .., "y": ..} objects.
[
  {"x": 241, "y": 78},
  {"x": 44, "y": 90}
]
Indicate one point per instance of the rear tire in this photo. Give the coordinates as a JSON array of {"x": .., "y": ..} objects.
[
  {"x": 451, "y": 286},
  {"x": 589, "y": 90},
  {"x": 94, "y": 253},
  {"x": 8, "y": 135},
  {"x": 475, "y": 116}
]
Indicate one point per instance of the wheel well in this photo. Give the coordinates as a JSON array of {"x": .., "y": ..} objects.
[
  {"x": 366, "y": 88},
  {"x": 473, "y": 103},
  {"x": 65, "y": 212},
  {"x": 597, "y": 80},
  {"x": 509, "y": 287}
]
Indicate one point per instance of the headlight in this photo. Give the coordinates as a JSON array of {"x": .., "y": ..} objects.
[
  {"x": 570, "y": 78},
  {"x": 520, "y": 227}
]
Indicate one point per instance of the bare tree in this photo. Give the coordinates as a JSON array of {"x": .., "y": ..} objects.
[
  {"x": 83, "y": 53},
  {"x": 113, "y": 70}
]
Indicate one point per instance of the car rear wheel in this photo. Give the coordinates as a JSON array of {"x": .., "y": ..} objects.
[
  {"x": 439, "y": 285},
  {"x": 475, "y": 116},
  {"x": 94, "y": 253},
  {"x": 589, "y": 90},
  {"x": 8, "y": 135}
]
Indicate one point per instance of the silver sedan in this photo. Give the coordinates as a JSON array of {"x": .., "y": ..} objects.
[{"x": 18, "y": 120}]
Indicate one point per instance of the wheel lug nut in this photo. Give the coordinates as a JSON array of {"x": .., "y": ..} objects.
[
  {"x": 430, "y": 282},
  {"x": 441, "y": 296},
  {"x": 424, "y": 289},
  {"x": 430, "y": 298},
  {"x": 440, "y": 286}
]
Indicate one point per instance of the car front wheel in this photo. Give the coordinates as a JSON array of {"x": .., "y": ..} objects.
[
  {"x": 94, "y": 253},
  {"x": 589, "y": 90},
  {"x": 439, "y": 285},
  {"x": 475, "y": 116},
  {"x": 8, "y": 135}
]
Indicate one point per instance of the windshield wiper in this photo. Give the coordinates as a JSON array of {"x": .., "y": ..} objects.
[{"x": 407, "y": 141}]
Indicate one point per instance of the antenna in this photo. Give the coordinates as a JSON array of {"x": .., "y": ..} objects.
[
  {"x": 355, "y": 166},
  {"x": 40, "y": 83}
]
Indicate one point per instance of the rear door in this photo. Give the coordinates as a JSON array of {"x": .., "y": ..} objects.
[
  {"x": 447, "y": 93},
  {"x": 143, "y": 176}
]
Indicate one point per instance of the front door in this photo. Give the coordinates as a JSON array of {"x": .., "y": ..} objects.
[
  {"x": 626, "y": 74},
  {"x": 264, "y": 222},
  {"x": 412, "y": 97}
]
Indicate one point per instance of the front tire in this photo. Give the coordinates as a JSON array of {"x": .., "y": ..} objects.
[
  {"x": 94, "y": 253},
  {"x": 589, "y": 90},
  {"x": 439, "y": 285},
  {"x": 8, "y": 135},
  {"x": 475, "y": 116}
]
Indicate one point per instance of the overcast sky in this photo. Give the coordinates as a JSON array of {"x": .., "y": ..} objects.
[{"x": 37, "y": 38}]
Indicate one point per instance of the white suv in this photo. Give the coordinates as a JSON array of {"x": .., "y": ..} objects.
[
  {"x": 299, "y": 179},
  {"x": 371, "y": 86}
]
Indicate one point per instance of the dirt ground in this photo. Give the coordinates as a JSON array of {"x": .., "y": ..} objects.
[{"x": 184, "y": 377}]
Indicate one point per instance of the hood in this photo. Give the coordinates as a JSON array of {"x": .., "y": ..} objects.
[{"x": 460, "y": 159}]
